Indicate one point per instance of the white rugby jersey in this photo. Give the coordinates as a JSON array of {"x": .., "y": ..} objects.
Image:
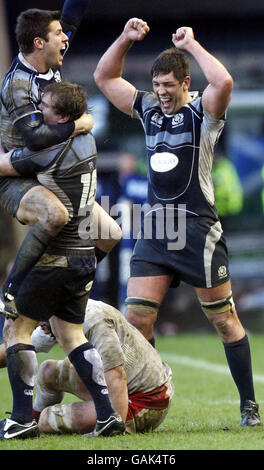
[{"x": 118, "y": 343}]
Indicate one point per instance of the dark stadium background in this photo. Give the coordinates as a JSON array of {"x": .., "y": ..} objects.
[
  {"x": 233, "y": 31},
  {"x": 220, "y": 24}
]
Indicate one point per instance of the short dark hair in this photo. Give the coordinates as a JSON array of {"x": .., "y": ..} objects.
[
  {"x": 171, "y": 60},
  {"x": 31, "y": 24},
  {"x": 70, "y": 99}
]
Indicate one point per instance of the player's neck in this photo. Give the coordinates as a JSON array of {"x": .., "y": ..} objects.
[
  {"x": 186, "y": 98},
  {"x": 36, "y": 61}
]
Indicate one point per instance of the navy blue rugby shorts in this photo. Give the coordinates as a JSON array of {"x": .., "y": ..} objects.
[
  {"x": 11, "y": 192},
  {"x": 201, "y": 262},
  {"x": 54, "y": 289}
]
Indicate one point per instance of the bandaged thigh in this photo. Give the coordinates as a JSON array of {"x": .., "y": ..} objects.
[
  {"x": 217, "y": 307},
  {"x": 59, "y": 418},
  {"x": 142, "y": 305}
]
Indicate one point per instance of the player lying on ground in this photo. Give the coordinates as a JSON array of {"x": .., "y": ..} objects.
[{"x": 139, "y": 383}]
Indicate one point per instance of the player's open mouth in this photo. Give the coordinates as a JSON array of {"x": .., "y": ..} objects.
[{"x": 165, "y": 102}]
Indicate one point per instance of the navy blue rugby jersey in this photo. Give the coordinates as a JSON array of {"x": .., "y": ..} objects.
[
  {"x": 69, "y": 171},
  {"x": 180, "y": 150},
  {"x": 21, "y": 120},
  {"x": 20, "y": 96}
]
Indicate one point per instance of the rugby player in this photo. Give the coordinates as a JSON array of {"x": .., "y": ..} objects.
[
  {"x": 139, "y": 383},
  {"x": 43, "y": 37},
  {"x": 57, "y": 289},
  {"x": 182, "y": 129}
]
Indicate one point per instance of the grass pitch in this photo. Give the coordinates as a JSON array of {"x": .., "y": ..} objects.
[{"x": 204, "y": 414}]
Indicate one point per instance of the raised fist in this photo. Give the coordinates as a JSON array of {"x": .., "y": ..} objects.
[{"x": 136, "y": 29}]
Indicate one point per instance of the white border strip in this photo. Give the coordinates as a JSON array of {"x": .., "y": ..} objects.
[{"x": 202, "y": 364}]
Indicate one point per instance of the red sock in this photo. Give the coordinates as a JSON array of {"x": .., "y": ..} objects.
[{"x": 36, "y": 414}]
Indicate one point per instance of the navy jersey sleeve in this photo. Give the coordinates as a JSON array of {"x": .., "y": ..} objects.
[
  {"x": 144, "y": 100},
  {"x": 73, "y": 13},
  {"x": 38, "y": 135},
  {"x": 137, "y": 106},
  {"x": 28, "y": 163},
  {"x": 17, "y": 92}
]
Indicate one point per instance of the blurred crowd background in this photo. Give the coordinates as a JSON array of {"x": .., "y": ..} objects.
[{"x": 233, "y": 32}]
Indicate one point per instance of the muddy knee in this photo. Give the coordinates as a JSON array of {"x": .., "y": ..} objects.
[
  {"x": 47, "y": 373},
  {"x": 41, "y": 205},
  {"x": 222, "y": 315}
]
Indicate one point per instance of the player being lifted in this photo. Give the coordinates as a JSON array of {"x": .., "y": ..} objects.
[
  {"x": 58, "y": 287},
  {"x": 43, "y": 37}
]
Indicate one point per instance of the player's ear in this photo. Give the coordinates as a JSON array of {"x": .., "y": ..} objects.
[
  {"x": 186, "y": 83},
  {"x": 38, "y": 42},
  {"x": 63, "y": 119}
]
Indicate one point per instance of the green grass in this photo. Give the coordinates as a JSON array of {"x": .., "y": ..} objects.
[{"x": 204, "y": 414}]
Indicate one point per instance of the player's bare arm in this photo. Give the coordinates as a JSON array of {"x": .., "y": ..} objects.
[
  {"x": 217, "y": 95},
  {"x": 118, "y": 392},
  {"x": 83, "y": 125},
  {"x": 108, "y": 73}
]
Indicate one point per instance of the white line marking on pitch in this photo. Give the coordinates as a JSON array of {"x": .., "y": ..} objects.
[{"x": 202, "y": 364}]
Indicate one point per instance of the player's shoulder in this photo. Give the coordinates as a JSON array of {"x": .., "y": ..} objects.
[
  {"x": 84, "y": 139},
  {"x": 146, "y": 99},
  {"x": 196, "y": 101},
  {"x": 84, "y": 145},
  {"x": 97, "y": 309},
  {"x": 18, "y": 71},
  {"x": 102, "y": 315},
  {"x": 16, "y": 81}
]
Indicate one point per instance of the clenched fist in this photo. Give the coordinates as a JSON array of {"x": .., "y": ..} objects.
[
  {"x": 183, "y": 37},
  {"x": 136, "y": 29}
]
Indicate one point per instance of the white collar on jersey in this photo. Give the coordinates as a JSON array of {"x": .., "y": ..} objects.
[{"x": 47, "y": 76}]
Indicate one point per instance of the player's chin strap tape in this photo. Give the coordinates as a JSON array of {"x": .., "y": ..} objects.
[
  {"x": 217, "y": 307},
  {"x": 142, "y": 305}
]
